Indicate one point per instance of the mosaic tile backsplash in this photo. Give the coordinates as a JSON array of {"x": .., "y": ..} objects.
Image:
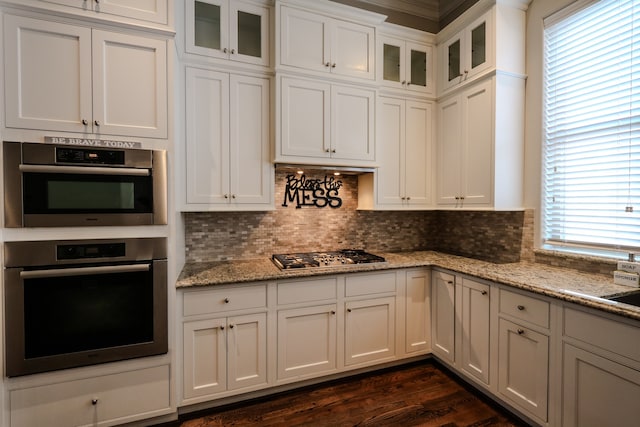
[{"x": 217, "y": 236}]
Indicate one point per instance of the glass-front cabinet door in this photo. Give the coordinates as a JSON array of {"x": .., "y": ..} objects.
[
  {"x": 405, "y": 64},
  {"x": 228, "y": 29},
  {"x": 468, "y": 53}
]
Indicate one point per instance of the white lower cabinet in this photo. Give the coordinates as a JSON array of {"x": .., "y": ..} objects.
[
  {"x": 103, "y": 400},
  {"x": 443, "y": 312},
  {"x": 475, "y": 337},
  {"x": 369, "y": 330},
  {"x": 417, "y": 311},
  {"x": 307, "y": 341},
  {"x": 224, "y": 341},
  {"x": 224, "y": 354},
  {"x": 601, "y": 370},
  {"x": 523, "y": 372},
  {"x": 523, "y": 355}
]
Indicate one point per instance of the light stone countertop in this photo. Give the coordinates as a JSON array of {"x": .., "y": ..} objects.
[{"x": 561, "y": 283}]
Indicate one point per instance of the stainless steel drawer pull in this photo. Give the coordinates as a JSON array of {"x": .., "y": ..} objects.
[
  {"x": 81, "y": 271},
  {"x": 83, "y": 170}
]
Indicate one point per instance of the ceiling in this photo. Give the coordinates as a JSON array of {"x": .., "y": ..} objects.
[{"x": 426, "y": 15}]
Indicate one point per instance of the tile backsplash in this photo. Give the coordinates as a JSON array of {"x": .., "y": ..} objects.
[{"x": 217, "y": 236}]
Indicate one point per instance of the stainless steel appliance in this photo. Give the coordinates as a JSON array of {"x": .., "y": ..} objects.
[
  {"x": 324, "y": 259},
  {"x": 77, "y": 303},
  {"x": 53, "y": 185}
]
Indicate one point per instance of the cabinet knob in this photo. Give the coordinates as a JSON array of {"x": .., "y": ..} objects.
[
  {"x": 408, "y": 83},
  {"x": 226, "y": 300},
  {"x": 348, "y": 310},
  {"x": 233, "y": 196},
  {"x": 230, "y": 326},
  {"x": 94, "y": 401},
  {"x": 450, "y": 282},
  {"x": 85, "y": 122},
  {"x": 483, "y": 292},
  {"x": 333, "y": 151},
  {"x": 328, "y": 64},
  {"x": 408, "y": 198},
  {"x": 404, "y": 82},
  {"x": 403, "y": 198},
  {"x": 333, "y": 312},
  {"x": 233, "y": 51},
  {"x": 520, "y": 331},
  {"x": 96, "y": 122},
  {"x": 333, "y": 65},
  {"x": 521, "y": 307},
  {"x": 226, "y": 196},
  {"x": 222, "y": 328},
  {"x": 224, "y": 50},
  {"x": 327, "y": 150}
]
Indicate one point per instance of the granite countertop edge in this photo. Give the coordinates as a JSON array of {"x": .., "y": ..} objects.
[{"x": 565, "y": 284}]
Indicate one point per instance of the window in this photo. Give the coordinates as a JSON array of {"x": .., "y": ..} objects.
[{"x": 591, "y": 170}]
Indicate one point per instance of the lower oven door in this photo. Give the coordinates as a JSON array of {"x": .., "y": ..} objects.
[{"x": 82, "y": 315}]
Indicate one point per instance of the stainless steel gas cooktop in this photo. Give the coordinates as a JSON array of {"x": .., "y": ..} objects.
[{"x": 324, "y": 259}]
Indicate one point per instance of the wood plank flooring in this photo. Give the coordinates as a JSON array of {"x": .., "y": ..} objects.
[{"x": 419, "y": 394}]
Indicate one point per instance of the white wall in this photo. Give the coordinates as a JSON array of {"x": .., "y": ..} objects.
[{"x": 538, "y": 10}]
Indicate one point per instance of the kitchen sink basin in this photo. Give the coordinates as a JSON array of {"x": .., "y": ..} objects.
[{"x": 632, "y": 298}]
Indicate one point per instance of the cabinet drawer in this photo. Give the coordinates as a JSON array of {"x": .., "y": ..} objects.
[
  {"x": 617, "y": 337},
  {"x": 525, "y": 308},
  {"x": 368, "y": 284},
  {"x": 307, "y": 290},
  {"x": 224, "y": 299},
  {"x": 119, "y": 398}
]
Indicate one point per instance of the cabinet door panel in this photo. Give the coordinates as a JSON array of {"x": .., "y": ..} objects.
[
  {"x": 352, "y": 50},
  {"x": 207, "y": 136},
  {"x": 369, "y": 330},
  {"x": 249, "y": 140},
  {"x": 477, "y": 160},
  {"x": 304, "y": 39},
  {"x": 475, "y": 329},
  {"x": 307, "y": 341},
  {"x": 598, "y": 391},
  {"x": 129, "y": 85},
  {"x": 418, "y": 152},
  {"x": 249, "y": 33},
  {"x": 352, "y": 123},
  {"x": 305, "y": 118},
  {"x": 523, "y": 367},
  {"x": 247, "y": 350},
  {"x": 147, "y": 10},
  {"x": 47, "y": 75},
  {"x": 417, "y": 311},
  {"x": 443, "y": 308},
  {"x": 449, "y": 151},
  {"x": 390, "y": 138},
  {"x": 204, "y": 357},
  {"x": 207, "y": 27}
]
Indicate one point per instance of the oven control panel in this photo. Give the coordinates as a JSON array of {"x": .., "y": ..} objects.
[{"x": 82, "y": 251}]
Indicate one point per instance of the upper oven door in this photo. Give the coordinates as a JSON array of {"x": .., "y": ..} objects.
[{"x": 84, "y": 193}]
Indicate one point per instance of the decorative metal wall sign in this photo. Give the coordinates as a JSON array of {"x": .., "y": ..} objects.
[{"x": 312, "y": 192}]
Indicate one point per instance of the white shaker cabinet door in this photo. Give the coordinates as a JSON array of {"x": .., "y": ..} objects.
[
  {"x": 47, "y": 75},
  {"x": 204, "y": 357},
  {"x": 474, "y": 351},
  {"x": 418, "y": 153},
  {"x": 129, "y": 85},
  {"x": 207, "y": 136},
  {"x": 443, "y": 308},
  {"x": 247, "y": 350},
  {"x": 369, "y": 330},
  {"x": 417, "y": 311},
  {"x": 352, "y": 123}
]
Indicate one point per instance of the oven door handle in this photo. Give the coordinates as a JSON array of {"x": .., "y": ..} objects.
[
  {"x": 81, "y": 271},
  {"x": 84, "y": 170}
]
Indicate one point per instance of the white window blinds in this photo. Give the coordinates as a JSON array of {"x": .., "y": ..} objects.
[{"x": 591, "y": 171}]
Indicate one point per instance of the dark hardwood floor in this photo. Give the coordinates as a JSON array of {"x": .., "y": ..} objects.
[{"x": 419, "y": 394}]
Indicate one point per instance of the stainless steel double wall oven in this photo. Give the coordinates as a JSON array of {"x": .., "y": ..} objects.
[{"x": 72, "y": 303}]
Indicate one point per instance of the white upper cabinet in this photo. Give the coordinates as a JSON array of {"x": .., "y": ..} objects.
[
  {"x": 313, "y": 41},
  {"x": 469, "y": 52},
  {"x": 227, "y": 141},
  {"x": 481, "y": 41},
  {"x": 405, "y": 60},
  {"x": 69, "y": 78},
  {"x": 145, "y": 10},
  {"x": 323, "y": 123},
  {"x": 229, "y": 29},
  {"x": 405, "y": 134}
]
